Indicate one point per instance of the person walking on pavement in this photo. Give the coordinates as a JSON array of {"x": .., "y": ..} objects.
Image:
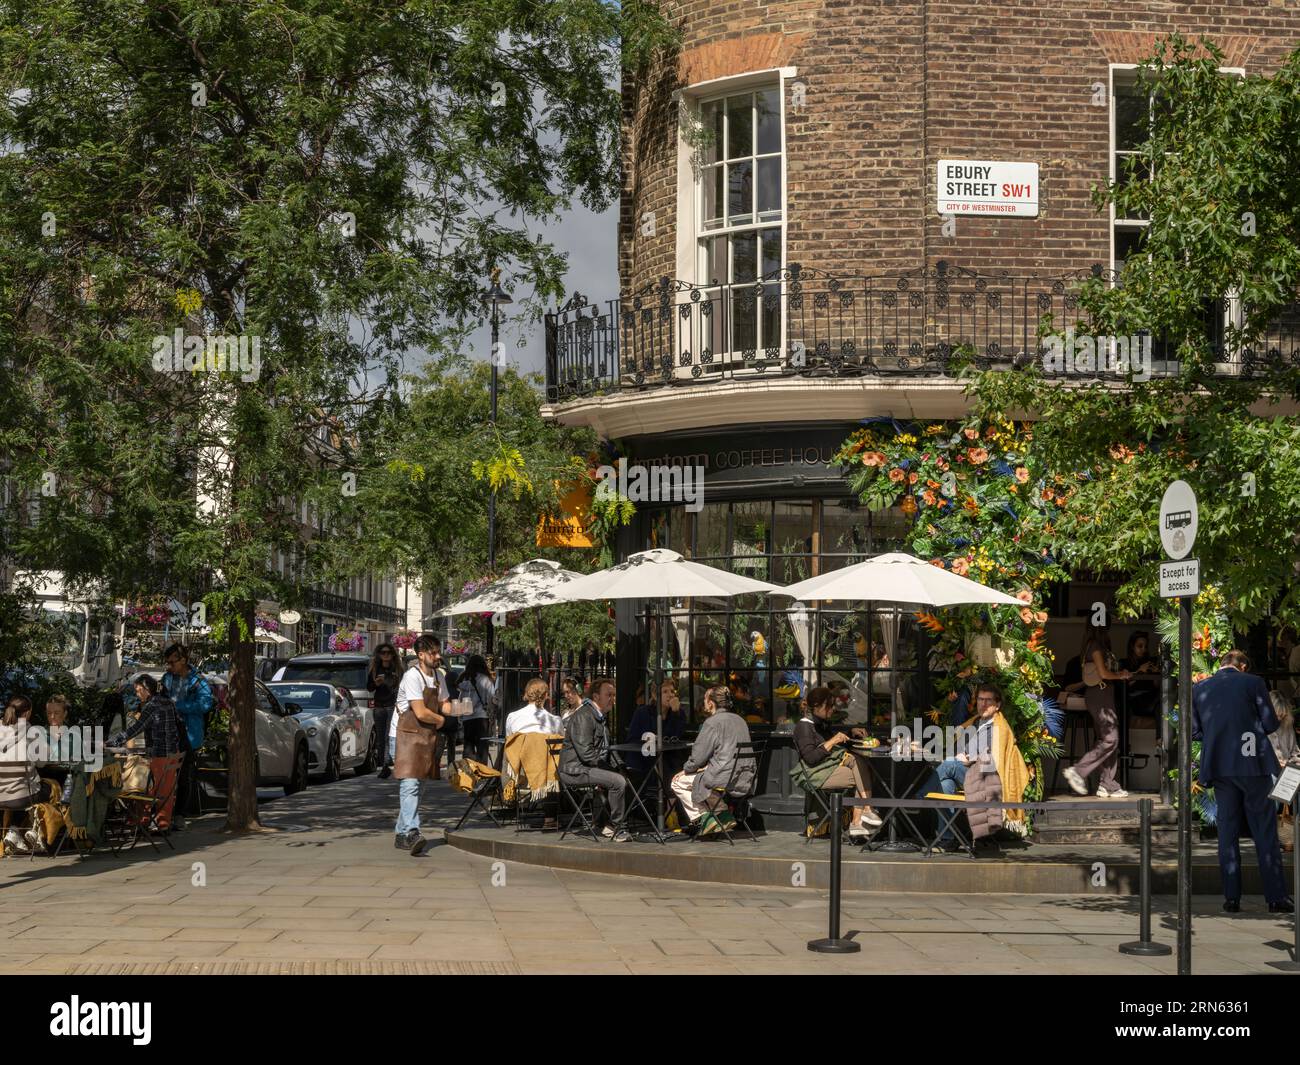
[
  {"x": 422, "y": 705},
  {"x": 190, "y": 691},
  {"x": 1233, "y": 716},
  {"x": 385, "y": 675},
  {"x": 1100, "y": 671}
]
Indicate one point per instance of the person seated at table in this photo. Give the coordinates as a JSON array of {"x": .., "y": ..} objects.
[
  {"x": 816, "y": 740},
  {"x": 586, "y": 759},
  {"x": 570, "y": 696},
  {"x": 1143, "y": 691},
  {"x": 21, "y": 787},
  {"x": 709, "y": 767},
  {"x": 643, "y": 723},
  {"x": 162, "y": 727},
  {"x": 994, "y": 771},
  {"x": 57, "y": 744},
  {"x": 533, "y": 715}
]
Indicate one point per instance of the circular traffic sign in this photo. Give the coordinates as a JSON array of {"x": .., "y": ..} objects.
[{"x": 1178, "y": 519}]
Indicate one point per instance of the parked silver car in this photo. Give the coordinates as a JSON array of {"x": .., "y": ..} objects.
[
  {"x": 340, "y": 733},
  {"x": 348, "y": 671}
]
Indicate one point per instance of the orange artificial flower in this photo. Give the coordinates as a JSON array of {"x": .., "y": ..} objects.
[
  {"x": 874, "y": 458},
  {"x": 961, "y": 566},
  {"x": 970, "y": 506},
  {"x": 977, "y": 455},
  {"x": 897, "y": 475},
  {"x": 1025, "y": 595},
  {"x": 971, "y": 434},
  {"x": 913, "y": 477},
  {"x": 1047, "y": 493},
  {"x": 1022, "y": 474},
  {"x": 930, "y": 498},
  {"x": 1026, "y": 615}
]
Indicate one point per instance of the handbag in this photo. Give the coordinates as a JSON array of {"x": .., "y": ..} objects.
[{"x": 467, "y": 774}]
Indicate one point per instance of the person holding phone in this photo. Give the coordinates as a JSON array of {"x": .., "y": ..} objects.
[{"x": 383, "y": 680}]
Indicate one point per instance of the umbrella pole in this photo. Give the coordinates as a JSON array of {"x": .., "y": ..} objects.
[{"x": 659, "y": 723}]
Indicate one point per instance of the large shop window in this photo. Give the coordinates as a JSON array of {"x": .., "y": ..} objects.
[
  {"x": 767, "y": 652},
  {"x": 741, "y": 202}
]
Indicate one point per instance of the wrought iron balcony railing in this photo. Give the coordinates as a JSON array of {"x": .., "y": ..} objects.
[
  {"x": 805, "y": 322},
  {"x": 357, "y": 609}
]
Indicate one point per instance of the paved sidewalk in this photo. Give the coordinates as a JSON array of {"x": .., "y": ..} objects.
[{"x": 329, "y": 893}]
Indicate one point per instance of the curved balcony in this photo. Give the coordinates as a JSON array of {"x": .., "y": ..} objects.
[{"x": 803, "y": 323}]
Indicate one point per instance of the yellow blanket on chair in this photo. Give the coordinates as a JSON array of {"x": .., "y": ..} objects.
[
  {"x": 1013, "y": 773},
  {"x": 528, "y": 758}
]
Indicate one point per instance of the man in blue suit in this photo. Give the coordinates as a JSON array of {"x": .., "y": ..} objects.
[{"x": 1232, "y": 716}]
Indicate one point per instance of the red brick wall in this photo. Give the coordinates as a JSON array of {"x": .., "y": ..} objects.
[{"x": 892, "y": 87}]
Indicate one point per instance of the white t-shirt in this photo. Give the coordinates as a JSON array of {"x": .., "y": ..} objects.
[
  {"x": 530, "y": 718},
  {"x": 414, "y": 681}
]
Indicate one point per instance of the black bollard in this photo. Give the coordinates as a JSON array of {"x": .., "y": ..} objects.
[
  {"x": 1144, "y": 947},
  {"x": 833, "y": 944}
]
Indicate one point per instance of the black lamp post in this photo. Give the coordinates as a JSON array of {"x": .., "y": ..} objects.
[{"x": 495, "y": 297}]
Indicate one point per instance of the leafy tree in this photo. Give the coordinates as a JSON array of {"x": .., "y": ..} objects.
[{"x": 329, "y": 181}]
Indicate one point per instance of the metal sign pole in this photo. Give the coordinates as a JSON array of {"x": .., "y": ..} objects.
[{"x": 1185, "y": 786}]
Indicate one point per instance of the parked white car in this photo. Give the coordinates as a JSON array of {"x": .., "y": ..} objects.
[
  {"x": 340, "y": 733},
  {"x": 282, "y": 743}
]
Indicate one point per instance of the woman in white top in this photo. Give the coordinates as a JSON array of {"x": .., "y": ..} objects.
[
  {"x": 533, "y": 715},
  {"x": 479, "y": 686}
]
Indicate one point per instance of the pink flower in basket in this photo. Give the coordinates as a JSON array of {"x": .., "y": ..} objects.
[
  {"x": 404, "y": 641},
  {"x": 344, "y": 640}
]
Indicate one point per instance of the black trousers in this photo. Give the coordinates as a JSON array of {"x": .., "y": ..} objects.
[
  {"x": 383, "y": 717},
  {"x": 1246, "y": 799},
  {"x": 474, "y": 731}
]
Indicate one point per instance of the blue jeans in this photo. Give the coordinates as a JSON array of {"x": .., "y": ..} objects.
[
  {"x": 949, "y": 778},
  {"x": 408, "y": 814}
]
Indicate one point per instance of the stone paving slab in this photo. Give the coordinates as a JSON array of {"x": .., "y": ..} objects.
[{"x": 319, "y": 900}]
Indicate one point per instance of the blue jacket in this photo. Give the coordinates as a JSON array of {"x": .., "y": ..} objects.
[
  {"x": 1232, "y": 715},
  {"x": 193, "y": 698}
]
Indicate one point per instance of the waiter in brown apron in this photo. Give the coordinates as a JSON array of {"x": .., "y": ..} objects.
[{"x": 422, "y": 705}]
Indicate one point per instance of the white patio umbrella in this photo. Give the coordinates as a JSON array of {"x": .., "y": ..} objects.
[
  {"x": 663, "y": 574},
  {"x": 535, "y": 583},
  {"x": 903, "y": 580}
]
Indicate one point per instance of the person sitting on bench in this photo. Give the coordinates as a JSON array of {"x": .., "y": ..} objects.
[
  {"x": 709, "y": 768},
  {"x": 815, "y": 738},
  {"x": 994, "y": 771}
]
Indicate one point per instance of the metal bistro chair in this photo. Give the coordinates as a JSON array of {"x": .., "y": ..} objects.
[
  {"x": 143, "y": 808},
  {"x": 820, "y": 798},
  {"x": 581, "y": 798},
  {"x": 548, "y": 808},
  {"x": 746, "y": 754}
]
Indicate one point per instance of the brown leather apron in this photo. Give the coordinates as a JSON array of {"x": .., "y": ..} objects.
[{"x": 414, "y": 756}]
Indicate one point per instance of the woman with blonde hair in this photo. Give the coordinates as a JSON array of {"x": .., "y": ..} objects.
[{"x": 534, "y": 716}]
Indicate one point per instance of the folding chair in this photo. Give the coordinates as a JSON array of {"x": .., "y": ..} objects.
[
  {"x": 143, "y": 809},
  {"x": 548, "y": 807},
  {"x": 581, "y": 798},
  {"x": 738, "y": 805},
  {"x": 487, "y": 785},
  {"x": 819, "y": 797},
  {"x": 945, "y": 819}
]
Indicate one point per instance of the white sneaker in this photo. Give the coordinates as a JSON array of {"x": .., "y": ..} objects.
[
  {"x": 607, "y": 832},
  {"x": 1074, "y": 780},
  {"x": 15, "y": 844},
  {"x": 1118, "y": 793},
  {"x": 859, "y": 831},
  {"x": 33, "y": 839},
  {"x": 871, "y": 819}
]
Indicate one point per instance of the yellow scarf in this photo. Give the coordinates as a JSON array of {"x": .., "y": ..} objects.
[{"x": 1013, "y": 773}]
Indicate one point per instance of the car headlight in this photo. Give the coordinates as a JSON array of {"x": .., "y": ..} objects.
[{"x": 311, "y": 731}]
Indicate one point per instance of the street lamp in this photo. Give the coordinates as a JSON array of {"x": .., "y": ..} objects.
[{"x": 496, "y": 297}]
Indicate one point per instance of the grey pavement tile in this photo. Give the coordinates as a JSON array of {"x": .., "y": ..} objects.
[{"x": 675, "y": 948}]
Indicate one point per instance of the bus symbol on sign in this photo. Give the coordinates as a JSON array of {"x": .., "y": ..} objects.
[{"x": 1178, "y": 519}]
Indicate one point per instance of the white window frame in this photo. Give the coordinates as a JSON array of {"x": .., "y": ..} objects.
[{"x": 690, "y": 231}]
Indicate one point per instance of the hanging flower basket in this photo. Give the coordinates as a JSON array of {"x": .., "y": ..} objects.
[
  {"x": 149, "y": 612},
  {"x": 267, "y": 622},
  {"x": 346, "y": 640},
  {"x": 405, "y": 640}
]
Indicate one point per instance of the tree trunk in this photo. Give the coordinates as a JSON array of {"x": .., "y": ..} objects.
[{"x": 241, "y": 809}]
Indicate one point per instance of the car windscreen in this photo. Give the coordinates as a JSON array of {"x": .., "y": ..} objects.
[
  {"x": 345, "y": 674},
  {"x": 309, "y": 697}
]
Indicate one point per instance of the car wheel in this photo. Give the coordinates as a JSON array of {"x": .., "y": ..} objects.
[
  {"x": 298, "y": 780},
  {"x": 372, "y": 755},
  {"x": 333, "y": 761}
]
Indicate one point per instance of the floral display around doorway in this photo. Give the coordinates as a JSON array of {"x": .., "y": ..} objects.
[{"x": 982, "y": 507}]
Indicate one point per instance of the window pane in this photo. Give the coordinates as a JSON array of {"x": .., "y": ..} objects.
[
  {"x": 740, "y": 126},
  {"x": 768, "y": 106},
  {"x": 1128, "y": 242},
  {"x": 740, "y": 193},
  {"x": 711, "y": 188},
  {"x": 715, "y": 261},
  {"x": 1131, "y": 114},
  {"x": 711, "y": 532},
  {"x": 744, "y": 256},
  {"x": 792, "y": 531},
  {"x": 1128, "y": 169},
  {"x": 771, "y": 251},
  {"x": 769, "y": 188},
  {"x": 711, "y": 120}
]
